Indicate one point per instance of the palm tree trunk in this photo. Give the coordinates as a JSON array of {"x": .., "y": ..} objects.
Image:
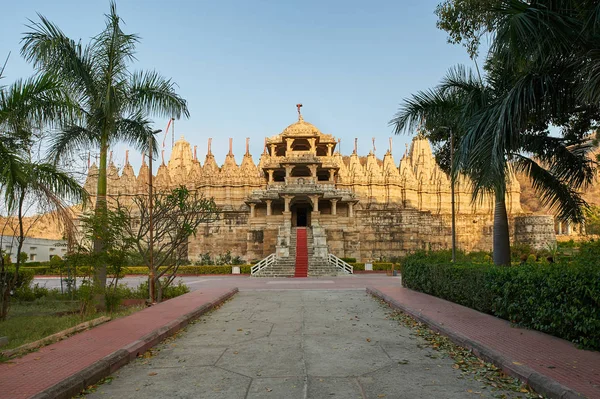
[
  {"x": 101, "y": 206},
  {"x": 501, "y": 236}
]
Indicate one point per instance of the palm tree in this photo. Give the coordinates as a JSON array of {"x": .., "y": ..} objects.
[
  {"x": 113, "y": 102},
  {"x": 24, "y": 106},
  {"x": 472, "y": 108}
]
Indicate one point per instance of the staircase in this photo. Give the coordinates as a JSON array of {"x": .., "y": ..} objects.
[
  {"x": 301, "y": 253},
  {"x": 302, "y": 260},
  {"x": 317, "y": 266}
]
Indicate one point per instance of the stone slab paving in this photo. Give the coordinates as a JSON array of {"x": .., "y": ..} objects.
[
  {"x": 550, "y": 365},
  {"x": 294, "y": 344},
  {"x": 63, "y": 369}
]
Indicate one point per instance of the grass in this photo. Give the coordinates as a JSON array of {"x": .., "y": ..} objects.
[{"x": 30, "y": 321}]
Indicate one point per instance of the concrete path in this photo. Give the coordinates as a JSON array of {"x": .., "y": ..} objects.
[
  {"x": 550, "y": 365},
  {"x": 293, "y": 344},
  {"x": 64, "y": 369}
]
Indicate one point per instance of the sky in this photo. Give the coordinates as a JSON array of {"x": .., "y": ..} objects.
[{"x": 244, "y": 65}]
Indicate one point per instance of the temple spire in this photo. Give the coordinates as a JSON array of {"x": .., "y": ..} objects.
[
  {"x": 374, "y": 149},
  {"x": 300, "y": 119},
  {"x": 247, "y": 145},
  {"x": 390, "y": 145},
  {"x": 209, "y": 144},
  {"x": 231, "y": 146},
  {"x": 355, "y": 144},
  {"x": 126, "y": 157}
]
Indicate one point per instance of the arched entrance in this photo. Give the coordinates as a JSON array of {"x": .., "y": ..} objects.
[{"x": 301, "y": 209}]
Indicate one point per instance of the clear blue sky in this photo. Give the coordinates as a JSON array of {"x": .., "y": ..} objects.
[{"x": 243, "y": 65}]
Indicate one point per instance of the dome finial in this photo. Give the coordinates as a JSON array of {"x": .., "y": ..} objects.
[{"x": 300, "y": 119}]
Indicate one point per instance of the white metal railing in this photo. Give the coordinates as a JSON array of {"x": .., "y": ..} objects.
[
  {"x": 266, "y": 262},
  {"x": 340, "y": 264}
]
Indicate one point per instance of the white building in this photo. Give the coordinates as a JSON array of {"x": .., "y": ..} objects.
[{"x": 37, "y": 249}]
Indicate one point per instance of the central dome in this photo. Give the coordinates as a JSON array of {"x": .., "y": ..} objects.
[{"x": 301, "y": 128}]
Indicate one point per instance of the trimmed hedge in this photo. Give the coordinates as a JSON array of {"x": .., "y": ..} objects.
[
  {"x": 562, "y": 299},
  {"x": 226, "y": 269}
]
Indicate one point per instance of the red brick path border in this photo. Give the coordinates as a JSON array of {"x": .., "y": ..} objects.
[
  {"x": 64, "y": 369},
  {"x": 551, "y": 366}
]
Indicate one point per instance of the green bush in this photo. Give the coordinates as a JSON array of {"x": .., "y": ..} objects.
[
  {"x": 349, "y": 260},
  {"x": 183, "y": 270},
  {"x": 562, "y": 299},
  {"x": 24, "y": 279}
]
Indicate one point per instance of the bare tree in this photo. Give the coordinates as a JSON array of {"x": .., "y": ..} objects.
[{"x": 177, "y": 215}]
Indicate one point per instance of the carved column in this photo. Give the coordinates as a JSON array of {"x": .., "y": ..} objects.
[
  {"x": 252, "y": 212},
  {"x": 312, "y": 145},
  {"x": 315, "y": 202},
  {"x": 559, "y": 227},
  {"x": 334, "y": 206},
  {"x": 329, "y": 149},
  {"x": 269, "y": 212},
  {"x": 350, "y": 209},
  {"x": 287, "y": 200},
  {"x": 270, "y": 171},
  {"x": 288, "y": 143},
  {"x": 273, "y": 150},
  {"x": 331, "y": 174},
  {"x": 313, "y": 170}
]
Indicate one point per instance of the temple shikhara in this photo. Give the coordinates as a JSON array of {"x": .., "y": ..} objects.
[{"x": 304, "y": 190}]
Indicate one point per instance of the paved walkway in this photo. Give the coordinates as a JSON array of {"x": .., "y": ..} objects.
[
  {"x": 294, "y": 345},
  {"x": 101, "y": 350},
  {"x": 538, "y": 357}
]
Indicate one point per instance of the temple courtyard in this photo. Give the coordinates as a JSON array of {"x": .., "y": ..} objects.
[{"x": 295, "y": 344}]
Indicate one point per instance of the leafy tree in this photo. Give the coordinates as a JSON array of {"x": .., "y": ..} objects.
[
  {"x": 24, "y": 107},
  {"x": 113, "y": 102},
  {"x": 466, "y": 106},
  {"x": 177, "y": 215},
  {"x": 592, "y": 220}
]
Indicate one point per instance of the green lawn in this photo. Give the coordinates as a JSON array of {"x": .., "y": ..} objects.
[{"x": 31, "y": 321}]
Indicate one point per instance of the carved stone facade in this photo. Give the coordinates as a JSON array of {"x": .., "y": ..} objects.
[{"x": 365, "y": 207}]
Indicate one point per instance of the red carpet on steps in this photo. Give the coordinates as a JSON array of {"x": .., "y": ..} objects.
[{"x": 301, "y": 253}]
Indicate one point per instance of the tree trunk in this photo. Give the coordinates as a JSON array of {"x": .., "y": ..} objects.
[
  {"x": 501, "y": 236},
  {"x": 101, "y": 206}
]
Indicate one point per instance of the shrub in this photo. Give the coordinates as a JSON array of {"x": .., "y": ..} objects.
[
  {"x": 183, "y": 270},
  {"x": 562, "y": 299},
  {"x": 349, "y": 260}
]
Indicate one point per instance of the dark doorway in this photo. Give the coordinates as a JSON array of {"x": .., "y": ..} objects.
[{"x": 301, "y": 217}]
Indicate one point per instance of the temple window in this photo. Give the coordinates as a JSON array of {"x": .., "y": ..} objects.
[
  {"x": 279, "y": 175},
  {"x": 323, "y": 175},
  {"x": 301, "y": 171},
  {"x": 301, "y": 145},
  {"x": 321, "y": 150},
  {"x": 280, "y": 151}
]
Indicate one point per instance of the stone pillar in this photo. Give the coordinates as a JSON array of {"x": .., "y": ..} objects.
[
  {"x": 331, "y": 174},
  {"x": 568, "y": 228},
  {"x": 288, "y": 170},
  {"x": 313, "y": 170},
  {"x": 313, "y": 148},
  {"x": 288, "y": 143},
  {"x": 315, "y": 202},
  {"x": 334, "y": 206},
  {"x": 252, "y": 212},
  {"x": 559, "y": 227},
  {"x": 269, "y": 212},
  {"x": 350, "y": 209},
  {"x": 270, "y": 171},
  {"x": 273, "y": 146},
  {"x": 287, "y": 199},
  {"x": 329, "y": 149}
]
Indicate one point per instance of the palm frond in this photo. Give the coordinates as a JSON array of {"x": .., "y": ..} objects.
[
  {"x": 155, "y": 95},
  {"x": 65, "y": 142},
  {"x": 553, "y": 192}
]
